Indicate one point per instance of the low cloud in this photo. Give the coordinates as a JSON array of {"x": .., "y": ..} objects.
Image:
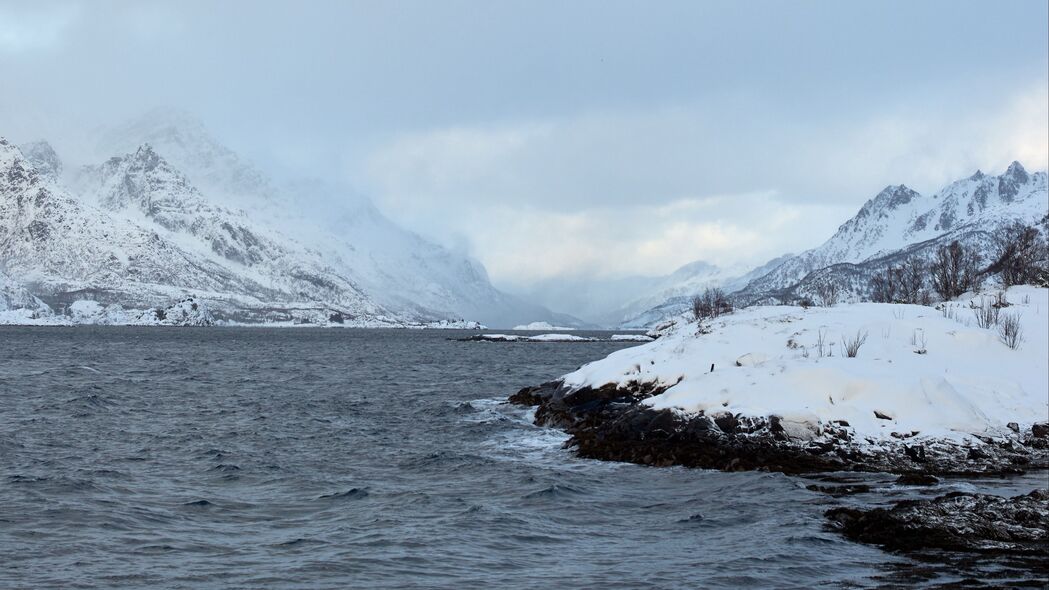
[{"x": 642, "y": 192}]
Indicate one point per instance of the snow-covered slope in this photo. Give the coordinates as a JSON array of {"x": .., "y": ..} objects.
[
  {"x": 919, "y": 372},
  {"x": 899, "y": 217}
]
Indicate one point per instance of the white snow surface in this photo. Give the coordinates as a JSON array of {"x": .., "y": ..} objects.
[
  {"x": 630, "y": 338},
  {"x": 536, "y": 338},
  {"x": 557, "y": 338},
  {"x": 967, "y": 382},
  {"x": 543, "y": 326}
]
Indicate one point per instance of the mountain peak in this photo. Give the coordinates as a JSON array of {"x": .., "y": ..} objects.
[
  {"x": 16, "y": 172},
  {"x": 1010, "y": 182},
  {"x": 978, "y": 175},
  {"x": 1016, "y": 170},
  {"x": 188, "y": 145},
  {"x": 146, "y": 157},
  {"x": 890, "y": 197},
  {"x": 43, "y": 157}
]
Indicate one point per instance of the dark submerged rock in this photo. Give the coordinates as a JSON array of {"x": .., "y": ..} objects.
[
  {"x": 917, "y": 479},
  {"x": 956, "y": 522},
  {"x": 845, "y": 490}
]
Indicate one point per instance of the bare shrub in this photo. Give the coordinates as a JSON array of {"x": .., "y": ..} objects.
[
  {"x": 852, "y": 346},
  {"x": 918, "y": 341},
  {"x": 1020, "y": 254},
  {"x": 1010, "y": 331},
  {"x": 883, "y": 287},
  {"x": 955, "y": 270},
  {"x": 821, "y": 341},
  {"x": 710, "y": 304},
  {"x": 900, "y": 284},
  {"x": 910, "y": 280},
  {"x": 987, "y": 313},
  {"x": 828, "y": 293},
  {"x": 949, "y": 311},
  {"x": 1000, "y": 300}
]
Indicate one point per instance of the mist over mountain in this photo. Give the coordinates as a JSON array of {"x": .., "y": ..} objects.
[{"x": 170, "y": 211}]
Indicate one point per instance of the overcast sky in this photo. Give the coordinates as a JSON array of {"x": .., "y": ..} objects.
[{"x": 565, "y": 138}]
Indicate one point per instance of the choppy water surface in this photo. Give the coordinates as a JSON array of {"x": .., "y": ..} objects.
[{"x": 137, "y": 457}]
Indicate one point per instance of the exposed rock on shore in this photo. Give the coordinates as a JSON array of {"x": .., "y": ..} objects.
[{"x": 611, "y": 423}]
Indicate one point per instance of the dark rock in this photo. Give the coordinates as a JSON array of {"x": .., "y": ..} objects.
[
  {"x": 533, "y": 396},
  {"x": 917, "y": 479},
  {"x": 845, "y": 490},
  {"x": 609, "y": 423},
  {"x": 956, "y": 522},
  {"x": 1040, "y": 430},
  {"x": 726, "y": 422}
]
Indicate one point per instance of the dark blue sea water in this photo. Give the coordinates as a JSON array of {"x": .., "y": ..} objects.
[{"x": 306, "y": 458}]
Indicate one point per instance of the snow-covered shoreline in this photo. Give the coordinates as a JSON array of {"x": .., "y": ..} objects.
[
  {"x": 928, "y": 391},
  {"x": 555, "y": 337}
]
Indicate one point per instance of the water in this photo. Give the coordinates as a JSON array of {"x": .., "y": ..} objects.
[{"x": 245, "y": 458}]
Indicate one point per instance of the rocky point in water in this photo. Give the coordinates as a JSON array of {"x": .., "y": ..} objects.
[
  {"x": 956, "y": 522},
  {"x": 611, "y": 423}
]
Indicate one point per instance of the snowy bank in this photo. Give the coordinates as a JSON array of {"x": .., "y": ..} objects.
[
  {"x": 520, "y": 338},
  {"x": 927, "y": 390},
  {"x": 554, "y": 338},
  {"x": 185, "y": 312},
  {"x": 535, "y": 326}
]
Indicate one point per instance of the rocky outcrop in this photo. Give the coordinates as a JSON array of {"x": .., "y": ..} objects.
[
  {"x": 956, "y": 522},
  {"x": 610, "y": 423},
  {"x": 187, "y": 312}
]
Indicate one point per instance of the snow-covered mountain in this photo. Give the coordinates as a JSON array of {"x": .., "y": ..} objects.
[
  {"x": 673, "y": 293},
  {"x": 400, "y": 270},
  {"x": 899, "y": 222},
  {"x": 262, "y": 251},
  {"x": 637, "y": 301},
  {"x": 154, "y": 241}
]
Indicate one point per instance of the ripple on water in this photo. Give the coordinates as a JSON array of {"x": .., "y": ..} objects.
[{"x": 360, "y": 458}]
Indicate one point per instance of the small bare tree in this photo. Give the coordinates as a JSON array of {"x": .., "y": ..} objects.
[
  {"x": 883, "y": 286},
  {"x": 910, "y": 278},
  {"x": 828, "y": 292},
  {"x": 699, "y": 308},
  {"x": 955, "y": 270},
  {"x": 1010, "y": 331},
  {"x": 710, "y": 304},
  {"x": 1020, "y": 254},
  {"x": 852, "y": 346},
  {"x": 987, "y": 313}
]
